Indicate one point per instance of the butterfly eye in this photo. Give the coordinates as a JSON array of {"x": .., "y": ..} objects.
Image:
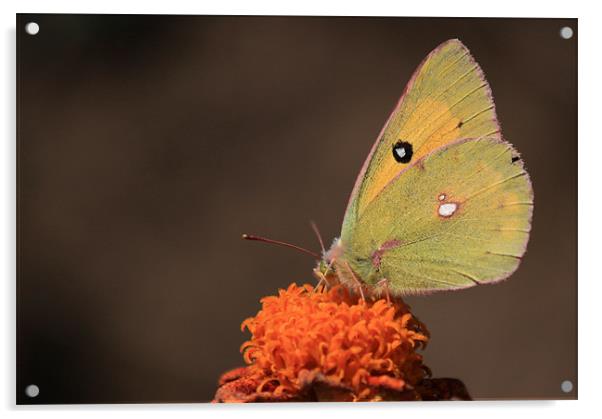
[{"x": 402, "y": 151}]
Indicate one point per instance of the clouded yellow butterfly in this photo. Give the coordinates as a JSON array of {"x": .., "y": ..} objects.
[{"x": 442, "y": 201}]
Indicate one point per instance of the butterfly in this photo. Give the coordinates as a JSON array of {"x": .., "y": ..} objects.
[{"x": 442, "y": 202}]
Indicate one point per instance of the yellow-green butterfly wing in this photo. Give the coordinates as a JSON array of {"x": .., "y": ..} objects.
[
  {"x": 442, "y": 201},
  {"x": 458, "y": 217},
  {"x": 446, "y": 99}
]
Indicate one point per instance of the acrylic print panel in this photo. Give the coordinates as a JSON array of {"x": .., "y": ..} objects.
[{"x": 148, "y": 144}]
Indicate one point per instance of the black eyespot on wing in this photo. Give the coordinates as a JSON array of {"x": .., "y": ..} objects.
[{"x": 402, "y": 151}]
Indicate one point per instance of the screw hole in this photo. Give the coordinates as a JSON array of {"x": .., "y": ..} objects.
[
  {"x": 566, "y": 386},
  {"x": 566, "y": 32},
  {"x": 32, "y": 28},
  {"x": 32, "y": 390}
]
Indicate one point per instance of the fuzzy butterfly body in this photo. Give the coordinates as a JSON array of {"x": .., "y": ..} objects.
[{"x": 442, "y": 202}]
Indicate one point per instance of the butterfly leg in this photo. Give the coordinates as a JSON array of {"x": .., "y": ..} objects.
[
  {"x": 358, "y": 283},
  {"x": 385, "y": 284},
  {"x": 322, "y": 276},
  {"x": 322, "y": 279}
]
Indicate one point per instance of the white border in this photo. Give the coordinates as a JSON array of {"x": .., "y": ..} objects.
[{"x": 590, "y": 201}]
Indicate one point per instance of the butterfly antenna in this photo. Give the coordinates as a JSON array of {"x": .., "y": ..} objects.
[
  {"x": 314, "y": 227},
  {"x": 279, "y": 243}
]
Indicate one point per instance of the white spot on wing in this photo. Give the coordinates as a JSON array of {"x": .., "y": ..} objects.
[
  {"x": 447, "y": 210},
  {"x": 401, "y": 152},
  {"x": 442, "y": 197}
]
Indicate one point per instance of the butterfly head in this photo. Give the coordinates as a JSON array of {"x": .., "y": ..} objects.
[{"x": 326, "y": 265}]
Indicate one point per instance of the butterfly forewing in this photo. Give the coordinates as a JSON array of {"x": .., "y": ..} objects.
[{"x": 446, "y": 99}]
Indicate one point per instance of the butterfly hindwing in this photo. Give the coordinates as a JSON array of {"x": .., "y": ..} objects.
[{"x": 459, "y": 216}]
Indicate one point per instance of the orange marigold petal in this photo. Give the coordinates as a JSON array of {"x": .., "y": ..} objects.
[{"x": 303, "y": 334}]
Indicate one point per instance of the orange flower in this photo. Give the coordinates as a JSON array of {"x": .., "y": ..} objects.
[{"x": 304, "y": 336}]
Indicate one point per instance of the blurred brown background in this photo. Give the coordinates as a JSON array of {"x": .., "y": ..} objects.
[{"x": 148, "y": 144}]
